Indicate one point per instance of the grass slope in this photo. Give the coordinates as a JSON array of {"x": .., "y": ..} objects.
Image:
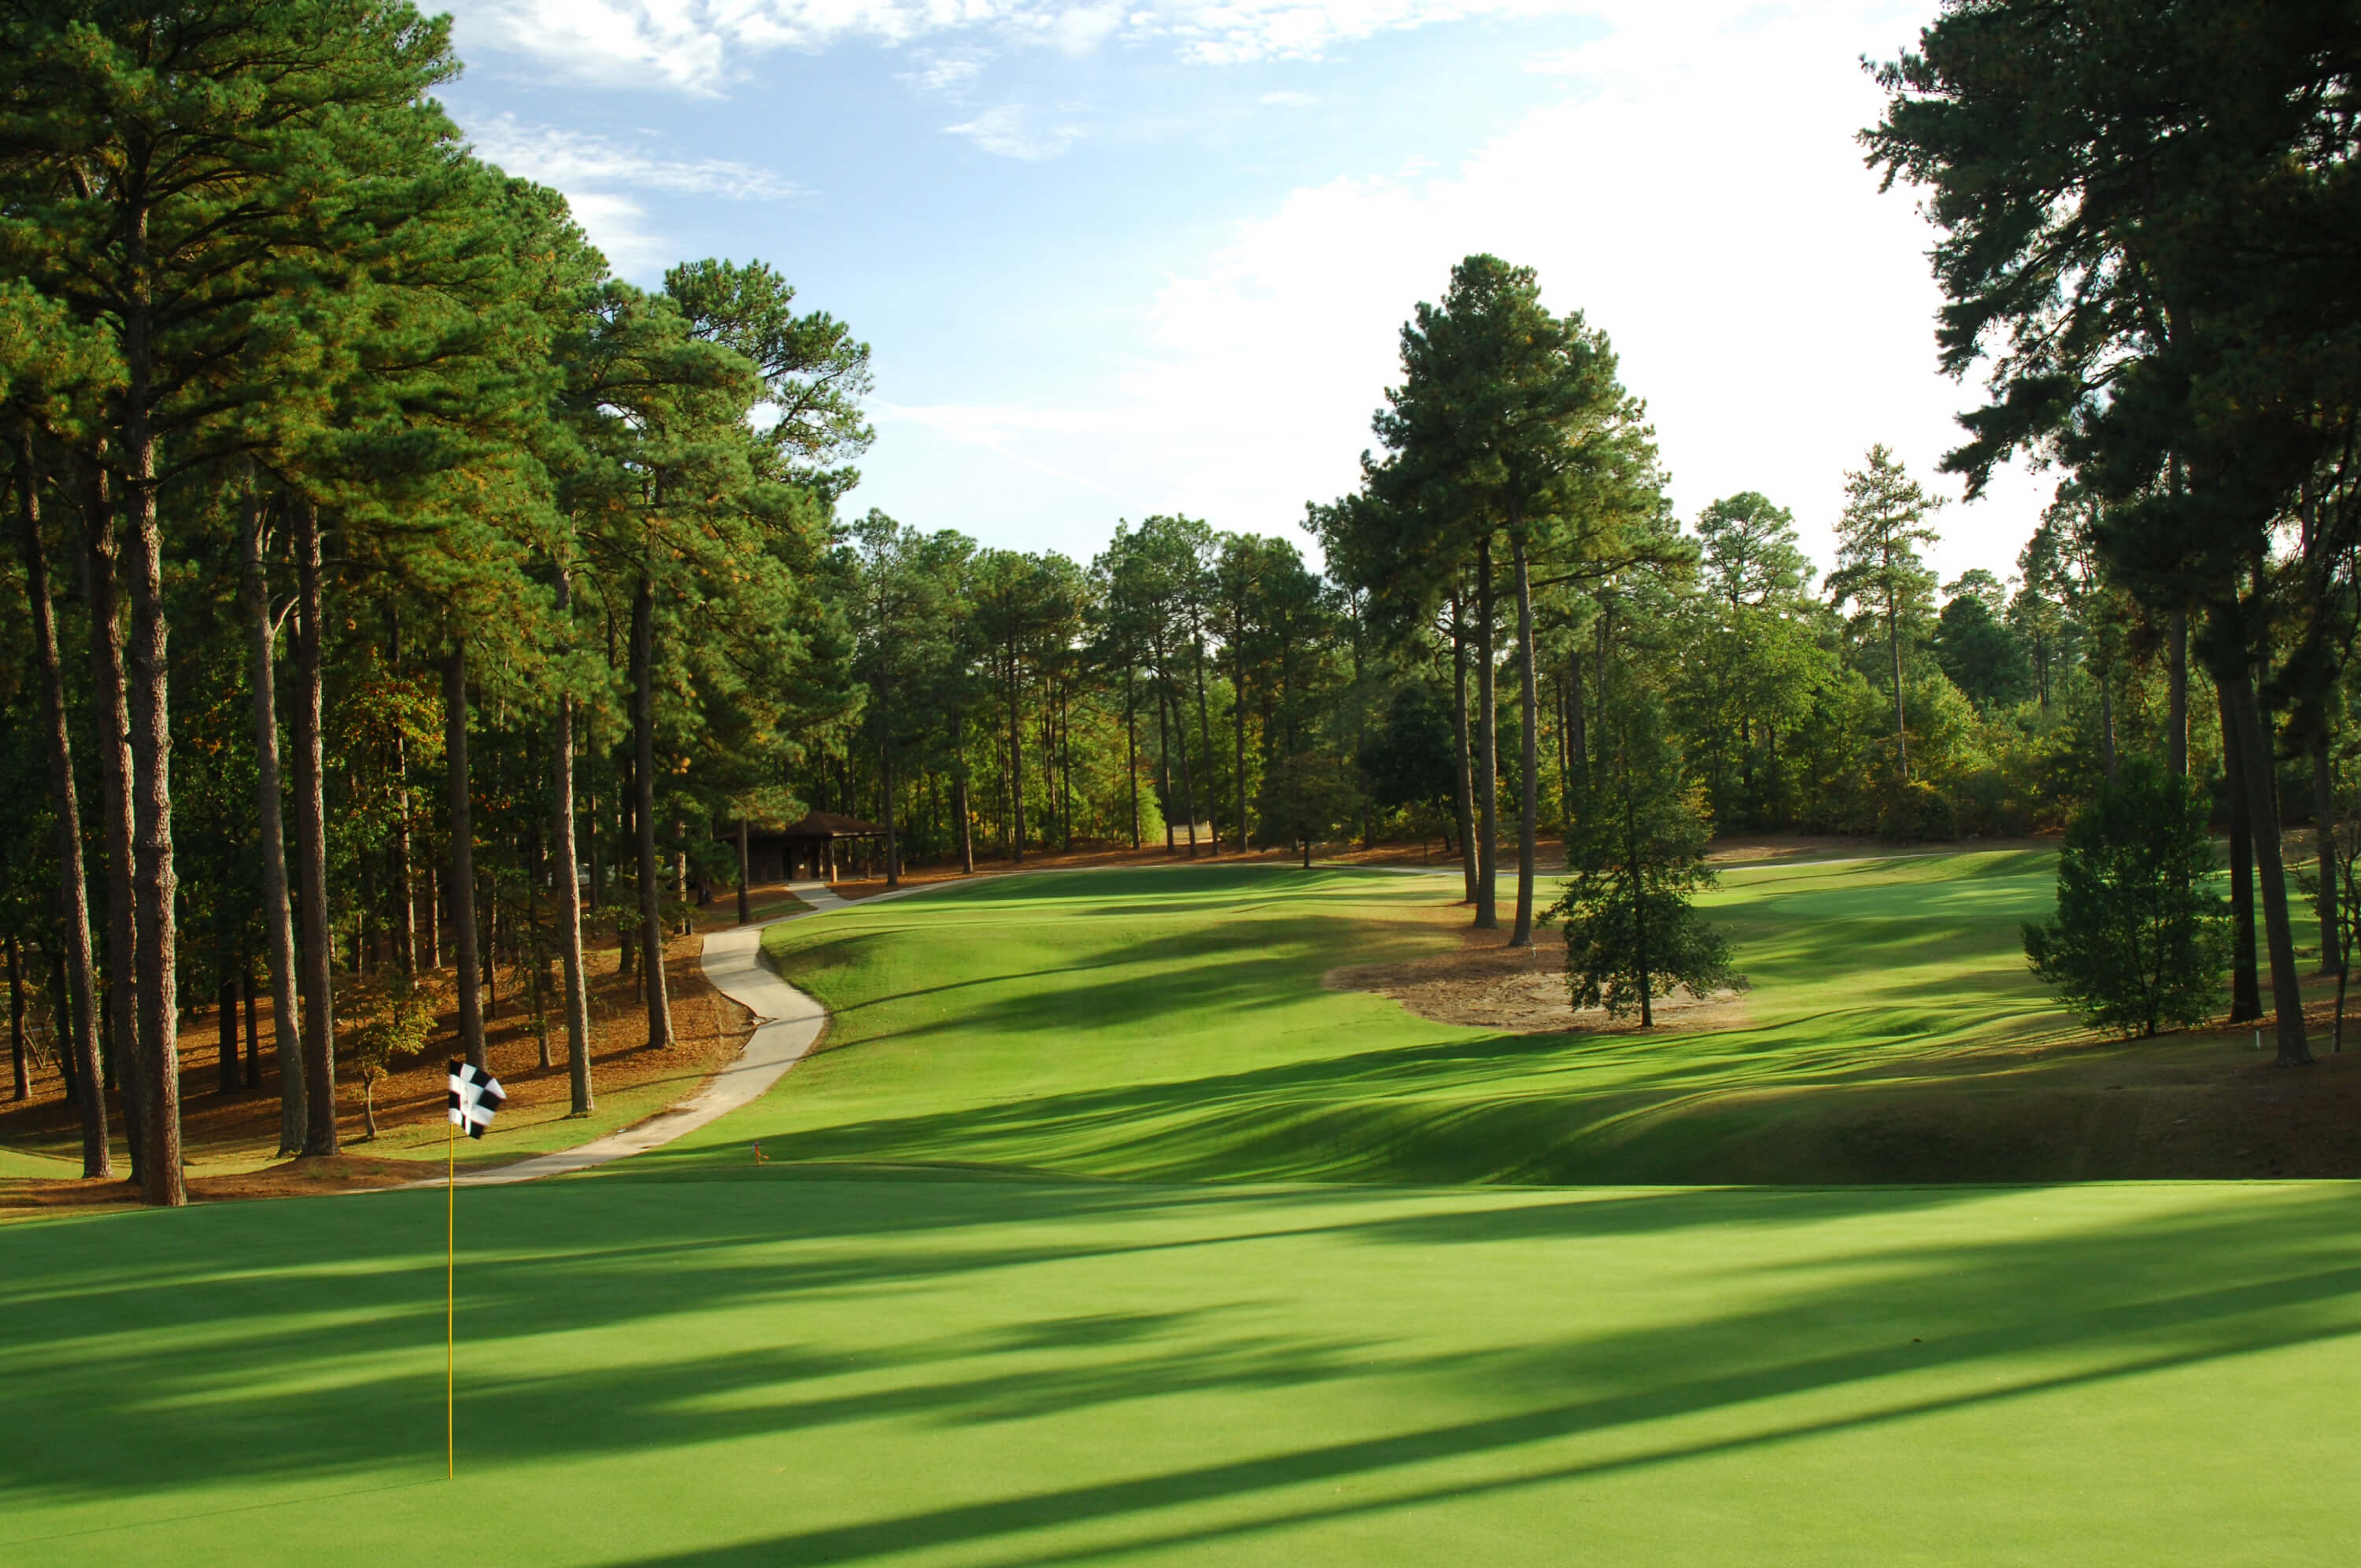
[
  {"x": 1171, "y": 1024},
  {"x": 779, "y": 1369}
]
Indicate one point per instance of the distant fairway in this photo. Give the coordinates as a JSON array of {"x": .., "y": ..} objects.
[
  {"x": 1102, "y": 1234},
  {"x": 1171, "y": 1024}
]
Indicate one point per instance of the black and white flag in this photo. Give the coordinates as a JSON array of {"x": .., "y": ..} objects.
[{"x": 475, "y": 1097}]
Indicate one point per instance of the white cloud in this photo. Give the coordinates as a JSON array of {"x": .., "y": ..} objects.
[
  {"x": 997, "y": 428},
  {"x": 1011, "y": 130},
  {"x": 590, "y": 169},
  {"x": 695, "y": 46},
  {"x": 1706, "y": 206},
  {"x": 949, "y": 75},
  {"x": 563, "y": 158}
]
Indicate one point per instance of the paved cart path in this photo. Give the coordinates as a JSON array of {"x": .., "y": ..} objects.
[{"x": 788, "y": 1023}]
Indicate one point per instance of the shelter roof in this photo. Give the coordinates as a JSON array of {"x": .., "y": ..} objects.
[{"x": 829, "y": 825}]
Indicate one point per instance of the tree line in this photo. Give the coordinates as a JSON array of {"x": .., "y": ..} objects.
[
  {"x": 386, "y": 560},
  {"x": 381, "y": 550}
]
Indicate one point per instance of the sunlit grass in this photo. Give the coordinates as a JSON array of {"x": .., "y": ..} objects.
[{"x": 1172, "y": 1024}]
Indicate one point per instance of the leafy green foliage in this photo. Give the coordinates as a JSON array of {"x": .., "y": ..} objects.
[
  {"x": 2139, "y": 940},
  {"x": 1982, "y": 653},
  {"x": 1408, "y": 760},
  {"x": 1636, "y": 855},
  {"x": 397, "y": 1027}
]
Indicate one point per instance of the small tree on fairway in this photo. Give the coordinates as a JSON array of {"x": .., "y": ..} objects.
[
  {"x": 1637, "y": 855},
  {"x": 2139, "y": 941},
  {"x": 399, "y": 1028}
]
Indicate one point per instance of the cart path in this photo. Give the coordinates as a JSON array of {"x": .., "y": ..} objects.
[{"x": 788, "y": 1024}]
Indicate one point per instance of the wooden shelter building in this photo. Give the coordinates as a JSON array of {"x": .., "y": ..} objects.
[{"x": 782, "y": 854}]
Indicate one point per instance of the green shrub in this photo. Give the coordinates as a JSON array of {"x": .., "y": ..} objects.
[
  {"x": 1916, "y": 810},
  {"x": 2137, "y": 943}
]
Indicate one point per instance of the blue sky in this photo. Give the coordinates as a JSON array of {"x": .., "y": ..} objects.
[{"x": 1115, "y": 261}]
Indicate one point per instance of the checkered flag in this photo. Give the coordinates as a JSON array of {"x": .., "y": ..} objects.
[{"x": 475, "y": 1097}]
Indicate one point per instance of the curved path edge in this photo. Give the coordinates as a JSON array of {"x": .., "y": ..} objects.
[{"x": 788, "y": 1024}]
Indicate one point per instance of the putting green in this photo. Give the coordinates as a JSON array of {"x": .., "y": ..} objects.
[
  {"x": 776, "y": 1369},
  {"x": 857, "y": 1353}
]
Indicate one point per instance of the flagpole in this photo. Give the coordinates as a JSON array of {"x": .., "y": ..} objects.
[{"x": 450, "y": 1258}]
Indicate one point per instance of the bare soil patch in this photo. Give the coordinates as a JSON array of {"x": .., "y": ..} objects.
[{"x": 1486, "y": 985}]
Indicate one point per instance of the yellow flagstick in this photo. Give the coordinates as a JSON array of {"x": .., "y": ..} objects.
[{"x": 450, "y": 1256}]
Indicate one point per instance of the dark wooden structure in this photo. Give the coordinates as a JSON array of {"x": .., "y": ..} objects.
[{"x": 782, "y": 854}]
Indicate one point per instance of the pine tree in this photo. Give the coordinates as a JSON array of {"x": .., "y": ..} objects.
[
  {"x": 2139, "y": 940},
  {"x": 1879, "y": 567},
  {"x": 1636, "y": 855}
]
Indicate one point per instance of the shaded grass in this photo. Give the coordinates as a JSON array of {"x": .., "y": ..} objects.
[
  {"x": 892, "y": 1345},
  {"x": 780, "y": 1369}
]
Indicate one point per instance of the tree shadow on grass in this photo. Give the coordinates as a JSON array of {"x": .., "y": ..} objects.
[{"x": 196, "y": 1350}]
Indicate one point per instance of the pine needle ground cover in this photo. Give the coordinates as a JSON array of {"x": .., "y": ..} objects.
[{"x": 969, "y": 1313}]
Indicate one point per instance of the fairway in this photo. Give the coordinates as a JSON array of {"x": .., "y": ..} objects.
[
  {"x": 1101, "y": 1231},
  {"x": 1172, "y": 1024}
]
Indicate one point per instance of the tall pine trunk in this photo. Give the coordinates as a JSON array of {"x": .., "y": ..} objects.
[
  {"x": 1577, "y": 729},
  {"x": 959, "y": 793},
  {"x": 1529, "y": 794},
  {"x": 1164, "y": 796},
  {"x": 1205, "y": 743},
  {"x": 20, "y": 1077},
  {"x": 404, "y": 854},
  {"x": 2107, "y": 727},
  {"x": 311, "y": 843},
  {"x": 1238, "y": 735},
  {"x": 2176, "y": 739},
  {"x": 643, "y": 783},
  {"x": 1131, "y": 748},
  {"x": 1901, "y": 718},
  {"x": 461, "y": 874},
  {"x": 2262, "y": 809},
  {"x": 154, "y": 879},
  {"x": 745, "y": 904},
  {"x": 893, "y": 847},
  {"x": 1187, "y": 792},
  {"x": 1015, "y": 766},
  {"x": 1488, "y": 748},
  {"x": 2323, "y": 838},
  {"x": 2245, "y": 990},
  {"x": 1470, "y": 863},
  {"x": 569, "y": 893},
  {"x": 100, "y": 598},
  {"x": 73, "y": 893},
  {"x": 225, "y": 1083}
]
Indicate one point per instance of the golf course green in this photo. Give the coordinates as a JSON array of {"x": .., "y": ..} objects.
[{"x": 1101, "y": 1230}]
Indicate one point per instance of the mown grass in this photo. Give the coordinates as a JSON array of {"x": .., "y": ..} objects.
[
  {"x": 767, "y": 1368},
  {"x": 1173, "y": 1025},
  {"x": 892, "y": 1345}
]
